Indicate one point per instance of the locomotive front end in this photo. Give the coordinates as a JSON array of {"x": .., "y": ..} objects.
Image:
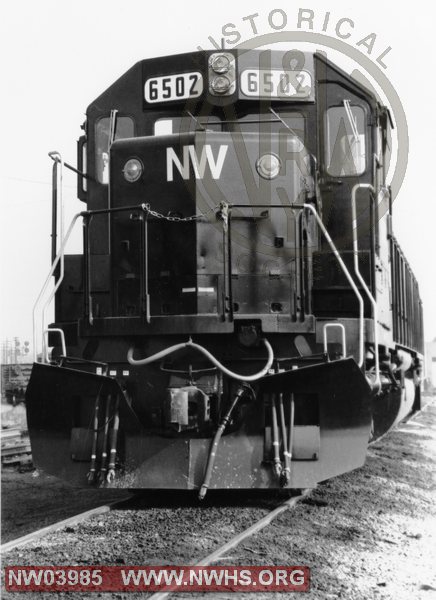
[{"x": 196, "y": 355}]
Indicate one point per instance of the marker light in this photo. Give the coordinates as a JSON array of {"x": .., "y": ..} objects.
[
  {"x": 268, "y": 166},
  {"x": 133, "y": 170},
  {"x": 220, "y": 63},
  {"x": 220, "y": 84}
]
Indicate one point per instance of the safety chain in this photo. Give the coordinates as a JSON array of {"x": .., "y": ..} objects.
[{"x": 174, "y": 219}]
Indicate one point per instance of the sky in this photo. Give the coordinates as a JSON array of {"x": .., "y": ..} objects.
[{"x": 58, "y": 56}]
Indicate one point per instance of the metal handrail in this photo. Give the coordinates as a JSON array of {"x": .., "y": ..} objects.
[
  {"x": 370, "y": 187},
  {"x": 337, "y": 326},
  {"x": 58, "y": 200},
  {"x": 309, "y": 207},
  {"x": 338, "y": 257},
  {"x": 58, "y": 209},
  {"x": 347, "y": 274},
  {"x": 62, "y": 336},
  {"x": 59, "y": 258}
]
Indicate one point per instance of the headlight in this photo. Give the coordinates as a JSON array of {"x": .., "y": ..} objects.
[
  {"x": 133, "y": 170},
  {"x": 268, "y": 166},
  {"x": 222, "y": 74},
  {"x": 220, "y": 63},
  {"x": 220, "y": 84}
]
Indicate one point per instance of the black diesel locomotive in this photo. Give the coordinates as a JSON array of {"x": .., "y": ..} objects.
[{"x": 242, "y": 315}]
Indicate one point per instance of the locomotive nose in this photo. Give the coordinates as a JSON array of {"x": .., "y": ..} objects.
[
  {"x": 242, "y": 167},
  {"x": 184, "y": 179}
]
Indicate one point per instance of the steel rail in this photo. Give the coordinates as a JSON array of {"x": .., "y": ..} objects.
[
  {"x": 39, "y": 533},
  {"x": 240, "y": 537}
]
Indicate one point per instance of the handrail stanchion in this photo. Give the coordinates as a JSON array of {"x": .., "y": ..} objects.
[
  {"x": 57, "y": 201},
  {"x": 54, "y": 210},
  {"x": 146, "y": 283},
  {"x": 370, "y": 187},
  {"x": 87, "y": 298}
]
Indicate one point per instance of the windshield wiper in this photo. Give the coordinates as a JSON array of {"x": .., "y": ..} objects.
[{"x": 351, "y": 120}]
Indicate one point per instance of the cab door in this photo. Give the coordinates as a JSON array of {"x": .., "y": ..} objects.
[{"x": 346, "y": 113}]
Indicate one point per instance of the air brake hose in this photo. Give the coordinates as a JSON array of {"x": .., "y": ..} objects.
[
  {"x": 207, "y": 354},
  {"x": 291, "y": 428},
  {"x": 285, "y": 475},
  {"x": 104, "y": 461},
  {"x": 217, "y": 437},
  {"x": 277, "y": 468},
  {"x": 92, "y": 471},
  {"x": 113, "y": 442}
]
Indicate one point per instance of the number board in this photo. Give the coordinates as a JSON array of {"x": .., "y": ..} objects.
[
  {"x": 276, "y": 83},
  {"x": 173, "y": 87}
]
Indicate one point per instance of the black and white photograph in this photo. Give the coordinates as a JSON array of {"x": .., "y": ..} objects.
[{"x": 218, "y": 307}]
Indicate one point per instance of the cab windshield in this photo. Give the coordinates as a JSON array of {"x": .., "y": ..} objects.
[{"x": 124, "y": 129}]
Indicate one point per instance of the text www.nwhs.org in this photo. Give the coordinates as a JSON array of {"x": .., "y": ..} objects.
[{"x": 157, "y": 578}]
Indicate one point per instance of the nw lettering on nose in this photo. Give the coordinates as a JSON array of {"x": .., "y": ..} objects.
[{"x": 190, "y": 157}]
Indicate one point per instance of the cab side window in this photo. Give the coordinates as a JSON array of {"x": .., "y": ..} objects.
[{"x": 345, "y": 140}]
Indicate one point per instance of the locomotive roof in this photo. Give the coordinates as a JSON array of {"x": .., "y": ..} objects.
[{"x": 131, "y": 83}]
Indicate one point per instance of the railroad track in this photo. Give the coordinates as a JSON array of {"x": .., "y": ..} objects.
[
  {"x": 240, "y": 537},
  {"x": 232, "y": 543},
  {"x": 386, "y": 541},
  {"x": 207, "y": 560},
  {"x": 40, "y": 533}
]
